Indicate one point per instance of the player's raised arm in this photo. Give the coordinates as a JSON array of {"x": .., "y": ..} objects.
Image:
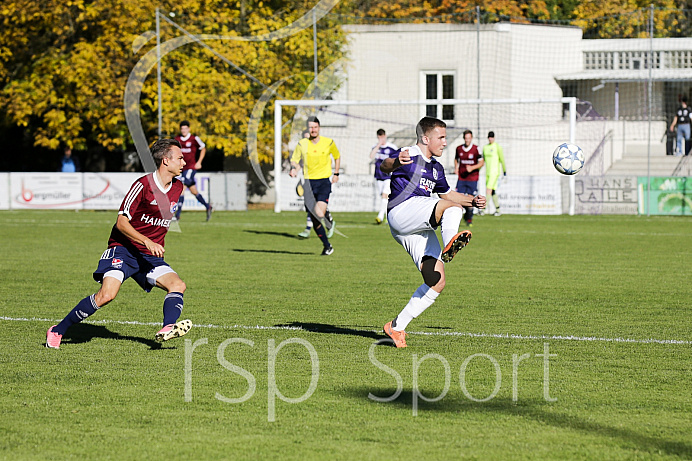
[
  {"x": 390, "y": 164},
  {"x": 124, "y": 226},
  {"x": 464, "y": 199}
]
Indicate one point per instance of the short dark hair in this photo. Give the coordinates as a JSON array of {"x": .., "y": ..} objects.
[
  {"x": 185, "y": 123},
  {"x": 491, "y": 134},
  {"x": 381, "y": 132},
  {"x": 426, "y": 125},
  {"x": 162, "y": 148},
  {"x": 312, "y": 119},
  {"x": 468, "y": 132},
  {"x": 684, "y": 99}
]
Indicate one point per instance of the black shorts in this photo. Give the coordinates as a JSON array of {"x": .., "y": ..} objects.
[
  {"x": 188, "y": 177},
  {"x": 320, "y": 188}
]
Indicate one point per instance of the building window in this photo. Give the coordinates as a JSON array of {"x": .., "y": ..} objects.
[{"x": 439, "y": 85}]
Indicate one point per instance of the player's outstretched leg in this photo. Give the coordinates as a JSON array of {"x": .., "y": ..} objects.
[
  {"x": 308, "y": 228},
  {"x": 399, "y": 337},
  {"x": 84, "y": 308},
  {"x": 174, "y": 330},
  {"x": 179, "y": 208},
  {"x": 459, "y": 241},
  {"x": 330, "y": 223},
  {"x": 422, "y": 298},
  {"x": 322, "y": 234},
  {"x": 172, "y": 308},
  {"x": 382, "y": 215},
  {"x": 452, "y": 238}
]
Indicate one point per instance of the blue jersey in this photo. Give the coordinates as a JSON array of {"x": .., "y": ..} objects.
[
  {"x": 387, "y": 151},
  {"x": 421, "y": 178}
]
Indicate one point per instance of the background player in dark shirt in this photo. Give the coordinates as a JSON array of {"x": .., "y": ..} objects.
[
  {"x": 136, "y": 247},
  {"x": 467, "y": 163},
  {"x": 190, "y": 144}
]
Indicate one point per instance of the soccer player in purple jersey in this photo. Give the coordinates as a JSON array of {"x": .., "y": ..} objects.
[
  {"x": 414, "y": 214},
  {"x": 136, "y": 247}
]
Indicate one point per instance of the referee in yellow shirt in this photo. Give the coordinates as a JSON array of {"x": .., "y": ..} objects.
[{"x": 315, "y": 152}]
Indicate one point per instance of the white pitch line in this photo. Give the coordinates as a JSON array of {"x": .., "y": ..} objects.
[{"x": 424, "y": 333}]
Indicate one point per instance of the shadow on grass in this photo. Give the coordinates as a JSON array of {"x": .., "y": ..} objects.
[
  {"x": 333, "y": 329},
  {"x": 85, "y": 332},
  {"x": 278, "y": 234},
  {"x": 536, "y": 409},
  {"x": 241, "y": 250}
]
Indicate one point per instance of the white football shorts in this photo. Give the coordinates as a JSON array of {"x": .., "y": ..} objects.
[
  {"x": 383, "y": 186},
  {"x": 409, "y": 223}
]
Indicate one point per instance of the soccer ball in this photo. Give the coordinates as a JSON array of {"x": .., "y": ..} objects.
[{"x": 568, "y": 158}]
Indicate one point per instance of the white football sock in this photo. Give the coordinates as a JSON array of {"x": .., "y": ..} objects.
[
  {"x": 383, "y": 209},
  {"x": 422, "y": 298},
  {"x": 451, "y": 218}
]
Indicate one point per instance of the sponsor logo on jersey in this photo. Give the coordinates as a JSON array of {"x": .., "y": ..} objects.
[
  {"x": 435, "y": 174},
  {"x": 174, "y": 207},
  {"x": 117, "y": 263},
  {"x": 155, "y": 221},
  {"x": 427, "y": 184}
]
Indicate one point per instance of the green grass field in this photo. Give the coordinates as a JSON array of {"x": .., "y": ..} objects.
[{"x": 579, "y": 286}]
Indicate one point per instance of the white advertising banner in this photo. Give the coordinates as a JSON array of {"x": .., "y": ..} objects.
[
  {"x": 235, "y": 192},
  {"x": 105, "y": 191},
  {"x": 354, "y": 193},
  {"x": 4, "y": 191},
  {"x": 536, "y": 195},
  {"x": 351, "y": 193},
  {"x": 517, "y": 194},
  {"x": 606, "y": 195},
  {"x": 45, "y": 190}
]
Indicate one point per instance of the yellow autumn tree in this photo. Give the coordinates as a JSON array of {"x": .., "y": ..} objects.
[{"x": 64, "y": 65}]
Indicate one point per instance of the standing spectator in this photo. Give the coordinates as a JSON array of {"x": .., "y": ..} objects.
[
  {"x": 69, "y": 162},
  {"x": 682, "y": 120},
  {"x": 190, "y": 145},
  {"x": 493, "y": 157},
  {"x": 467, "y": 162},
  {"x": 381, "y": 151},
  {"x": 316, "y": 153}
]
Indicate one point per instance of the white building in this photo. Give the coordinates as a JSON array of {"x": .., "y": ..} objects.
[{"x": 503, "y": 61}]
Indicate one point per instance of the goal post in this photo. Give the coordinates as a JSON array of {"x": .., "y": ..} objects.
[{"x": 547, "y": 122}]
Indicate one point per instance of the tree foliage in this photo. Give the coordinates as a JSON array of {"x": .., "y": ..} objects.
[{"x": 64, "y": 64}]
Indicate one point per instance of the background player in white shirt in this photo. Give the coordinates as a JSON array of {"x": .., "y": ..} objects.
[{"x": 380, "y": 152}]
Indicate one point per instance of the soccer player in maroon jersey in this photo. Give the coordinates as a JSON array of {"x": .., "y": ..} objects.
[
  {"x": 136, "y": 247},
  {"x": 190, "y": 145},
  {"x": 467, "y": 162}
]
